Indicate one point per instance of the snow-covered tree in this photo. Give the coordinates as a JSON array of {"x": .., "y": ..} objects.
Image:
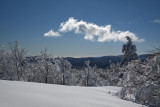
[
  {"x": 17, "y": 60},
  {"x": 45, "y": 64},
  {"x": 141, "y": 81},
  {"x": 64, "y": 67},
  {"x": 87, "y": 72},
  {"x": 5, "y": 68},
  {"x": 90, "y": 74}
]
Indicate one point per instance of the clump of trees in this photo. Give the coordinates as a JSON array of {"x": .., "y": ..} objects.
[
  {"x": 12, "y": 62},
  {"x": 140, "y": 80},
  {"x": 143, "y": 81},
  {"x": 16, "y": 65}
]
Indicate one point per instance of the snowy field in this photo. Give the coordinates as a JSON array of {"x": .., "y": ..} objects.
[{"x": 27, "y": 94}]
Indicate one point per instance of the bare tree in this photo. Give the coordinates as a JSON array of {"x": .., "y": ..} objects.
[
  {"x": 46, "y": 63},
  {"x": 17, "y": 59},
  {"x": 87, "y": 72},
  {"x": 64, "y": 66},
  {"x": 5, "y": 69}
]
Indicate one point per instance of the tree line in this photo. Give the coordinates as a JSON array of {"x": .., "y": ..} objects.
[{"x": 16, "y": 65}]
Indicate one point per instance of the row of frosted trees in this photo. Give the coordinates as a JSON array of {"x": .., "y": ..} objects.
[{"x": 15, "y": 65}]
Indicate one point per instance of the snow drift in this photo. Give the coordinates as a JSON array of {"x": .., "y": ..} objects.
[{"x": 27, "y": 94}]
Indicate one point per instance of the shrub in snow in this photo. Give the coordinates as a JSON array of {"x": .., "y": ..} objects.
[
  {"x": 149, "y": 95},
  {"x": 141, "y": 81}
]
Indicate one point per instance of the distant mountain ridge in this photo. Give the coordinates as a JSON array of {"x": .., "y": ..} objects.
[{"x": 100, "y": 62}]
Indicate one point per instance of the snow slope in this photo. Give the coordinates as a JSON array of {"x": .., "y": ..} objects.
[{"x": 27, "y": 94}]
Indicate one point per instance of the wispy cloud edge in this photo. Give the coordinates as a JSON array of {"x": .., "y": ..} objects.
[
  {"x": 156, "y": 21},
  {"x": 51, "y": 33}
]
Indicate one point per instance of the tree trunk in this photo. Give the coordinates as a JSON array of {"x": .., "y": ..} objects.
[
  {"x": 46, "y": 79},
  {"x": 63, "y": 80},
  {"x": 87, "y": 80}
]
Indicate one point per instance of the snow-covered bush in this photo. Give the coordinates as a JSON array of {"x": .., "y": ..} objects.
[
  {"x": 141, "y": 81},
  {"x": 149, "y": 95}
]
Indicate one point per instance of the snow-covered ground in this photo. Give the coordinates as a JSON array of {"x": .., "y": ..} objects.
[{"x": 27, "y": 94}]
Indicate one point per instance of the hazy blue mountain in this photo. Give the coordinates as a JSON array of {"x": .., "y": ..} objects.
[{"x": 100, "y": 62}]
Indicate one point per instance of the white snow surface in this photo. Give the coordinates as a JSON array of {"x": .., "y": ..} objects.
[{"x": 29, "y": 94}]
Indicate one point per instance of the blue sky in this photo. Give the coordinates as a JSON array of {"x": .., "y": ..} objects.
[{"x": 28, "y": 20}]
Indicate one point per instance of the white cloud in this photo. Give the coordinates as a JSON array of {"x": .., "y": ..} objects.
[
  {"x": 52, "y": 33},
  {"x": 94, "y": 32},
  {"x": 156, "y": 21}
]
